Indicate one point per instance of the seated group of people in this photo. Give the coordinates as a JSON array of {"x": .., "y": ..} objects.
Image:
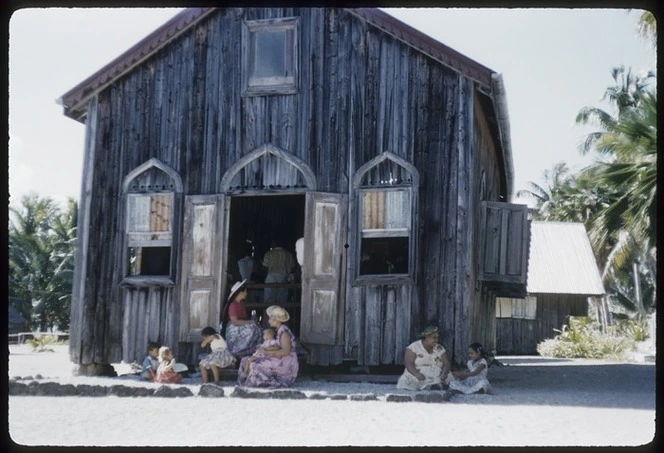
[
  {"x": 428, "y": 367},
  {"x": 268, "y": 357}
]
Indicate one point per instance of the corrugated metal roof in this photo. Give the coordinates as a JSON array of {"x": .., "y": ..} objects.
[{"x": 561, "y": 260}]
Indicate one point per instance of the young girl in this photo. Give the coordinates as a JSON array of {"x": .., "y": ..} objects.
[
  {"x": 219, "y": 358},
  {"x": 269, "y": 344},
  {"x": 165, "y": 373},
  {"x": 475, "y": 379}
]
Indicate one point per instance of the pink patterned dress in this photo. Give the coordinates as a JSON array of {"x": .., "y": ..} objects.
[{"x": 271, "y": 371}]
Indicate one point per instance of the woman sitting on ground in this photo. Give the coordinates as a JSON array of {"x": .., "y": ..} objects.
[
  {"x": 242, "y": 334},
  {"x": 427, "y": 364},
  {"x": 272, "y": 368}
]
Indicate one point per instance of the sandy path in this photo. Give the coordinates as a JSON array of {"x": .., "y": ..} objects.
[{"x": 537, "y": 402}]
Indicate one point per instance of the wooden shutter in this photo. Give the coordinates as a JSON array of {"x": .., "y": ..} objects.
[
  {"x": 505, "y": 244},
  {"x": 322, "y": 273},
  {"x": 202, "y": 255}
]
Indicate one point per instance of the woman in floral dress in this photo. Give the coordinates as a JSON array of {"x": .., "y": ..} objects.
[
  {"x": 272, "y": 368},
  {"x": 427, "y": 364}
]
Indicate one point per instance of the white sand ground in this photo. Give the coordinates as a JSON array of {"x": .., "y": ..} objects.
[{"x": 536, "y": 402}]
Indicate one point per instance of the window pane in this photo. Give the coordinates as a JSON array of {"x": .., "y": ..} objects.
[
  {"x": 149, "y": 213},
  {"x": 384, "y": 256},
  {"x": 270, "y": 53},
  {"x": 149, "y": 260},
  {"x": 385, "y": 209}
]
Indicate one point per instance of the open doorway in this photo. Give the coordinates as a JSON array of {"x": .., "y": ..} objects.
[{"x": 256, "y": 222}]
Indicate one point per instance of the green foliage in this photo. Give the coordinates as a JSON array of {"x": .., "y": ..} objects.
[
  {"x": 41, "y": 343},
  {"x": 42, "y": 241},
  {"x": 636, "y": 329},
  {"x": 583, "y": 339}
]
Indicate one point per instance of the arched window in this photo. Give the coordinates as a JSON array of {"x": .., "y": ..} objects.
[
  {"x": 386, "y": 198},
  {"x": 268, "y": 169},
  {"x": 151, "y": 193}
]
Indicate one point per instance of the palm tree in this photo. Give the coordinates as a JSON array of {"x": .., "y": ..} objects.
[
  {"x": 546, "y": 200},
  {"x": 41, "y": 247},
  {"x": 626, "y": 144},
  {"x": 647, "y": 27}
]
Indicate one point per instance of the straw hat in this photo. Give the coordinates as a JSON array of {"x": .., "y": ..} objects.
[
  {"x": 278, "y": 313},
  {"x": 236, "y": 289}
]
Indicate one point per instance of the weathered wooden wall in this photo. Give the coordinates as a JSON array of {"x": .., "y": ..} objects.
[
  {"x": 521, "y": 336},
  {"x": 361, "y": 92}
]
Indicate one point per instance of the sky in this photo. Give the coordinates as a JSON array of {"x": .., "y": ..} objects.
[{"x": 553, "y": 62}]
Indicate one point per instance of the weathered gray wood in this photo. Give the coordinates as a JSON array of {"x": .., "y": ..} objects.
[
  {"x": 389, "y": 325},
  {"x": 201, "y": 263},
  {"x": 361, "y": 92},
  {"x": 322, "y": 301}
]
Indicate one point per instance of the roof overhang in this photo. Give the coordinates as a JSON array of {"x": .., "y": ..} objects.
[{"x": 75, "y": 100}]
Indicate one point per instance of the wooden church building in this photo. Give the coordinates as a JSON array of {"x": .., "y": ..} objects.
[{"x": 387, "y": 151}]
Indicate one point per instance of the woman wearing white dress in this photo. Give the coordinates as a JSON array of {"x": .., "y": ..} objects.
[
  {"x": 427, "y": 364},
  {"x": 474, "y": 380}
]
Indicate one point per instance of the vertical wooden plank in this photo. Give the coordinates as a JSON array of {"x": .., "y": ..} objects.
[
  {"x": 373, "y": 305},
  {"x": 389, "y": 324},
  {"x": 406, "y": 298}
]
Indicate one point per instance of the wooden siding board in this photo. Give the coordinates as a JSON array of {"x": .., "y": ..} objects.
[
  {"x": 373, "y": 309},
  {"x": 464, "y": 228},
  {"x": 402, "y": 314},
  {"x": 389, "y": 325},
  {"x": 447, "y": 315}
]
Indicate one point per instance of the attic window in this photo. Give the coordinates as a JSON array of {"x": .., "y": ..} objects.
[{"x": 270, "y": 55}]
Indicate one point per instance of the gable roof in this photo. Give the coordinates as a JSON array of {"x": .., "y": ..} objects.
[
  {"x": 561, "y": 260},
  {"x": 489, "y": 82}
]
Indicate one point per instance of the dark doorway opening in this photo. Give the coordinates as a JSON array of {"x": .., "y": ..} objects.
[{"x": 255, "y": 223}]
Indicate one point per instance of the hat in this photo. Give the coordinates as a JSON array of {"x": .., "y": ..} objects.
[
  {"x": 428, "y": 331},
  {"x": 278, "y": 313},
  {"x": 236, "y": 289}
]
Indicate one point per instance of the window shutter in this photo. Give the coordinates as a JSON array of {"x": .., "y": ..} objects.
[
  {"x": 504, "y": 245},
  {"x": 322, "y": 273},
  {"x": 201, "y": 265}
]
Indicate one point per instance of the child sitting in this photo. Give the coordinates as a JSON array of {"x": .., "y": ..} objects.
[
  {"x": 150, "y": 363},
  {"x": 220, "y": 357},
  {"x": 165, "y": 373},
  {"x": 269, "y": 344},
  {"x": 475, "y": 379}
]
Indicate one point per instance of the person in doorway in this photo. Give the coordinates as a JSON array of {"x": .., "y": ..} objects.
[
  {"x": 279, "y": 263},
  {"x": 473, "y": 380},
  {"x": 427, "y": 364},
  {"x": 219, "y": 358},
  {"x": 241, "y": 332},
  {"x": 247, "y": 265},
  {"x": 166, "y": 373},
  {"x": 275, "y": 368}
]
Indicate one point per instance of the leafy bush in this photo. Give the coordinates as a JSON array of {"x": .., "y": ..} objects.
[
  {"x": 583, "y": 339},
  {"x": 635, "y": 329},
  {"x": 41, "y": 343}
]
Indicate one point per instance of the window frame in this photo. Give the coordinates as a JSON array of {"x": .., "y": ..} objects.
[
  {"x": 519, "y": 308},
  {"x": 254, "y": 86},
  {"x": 412, "y": 188},
  {"x": 164, "y": 239}
]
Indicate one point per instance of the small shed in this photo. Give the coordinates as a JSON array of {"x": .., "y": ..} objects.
[{"x": 562, "y": 275}]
